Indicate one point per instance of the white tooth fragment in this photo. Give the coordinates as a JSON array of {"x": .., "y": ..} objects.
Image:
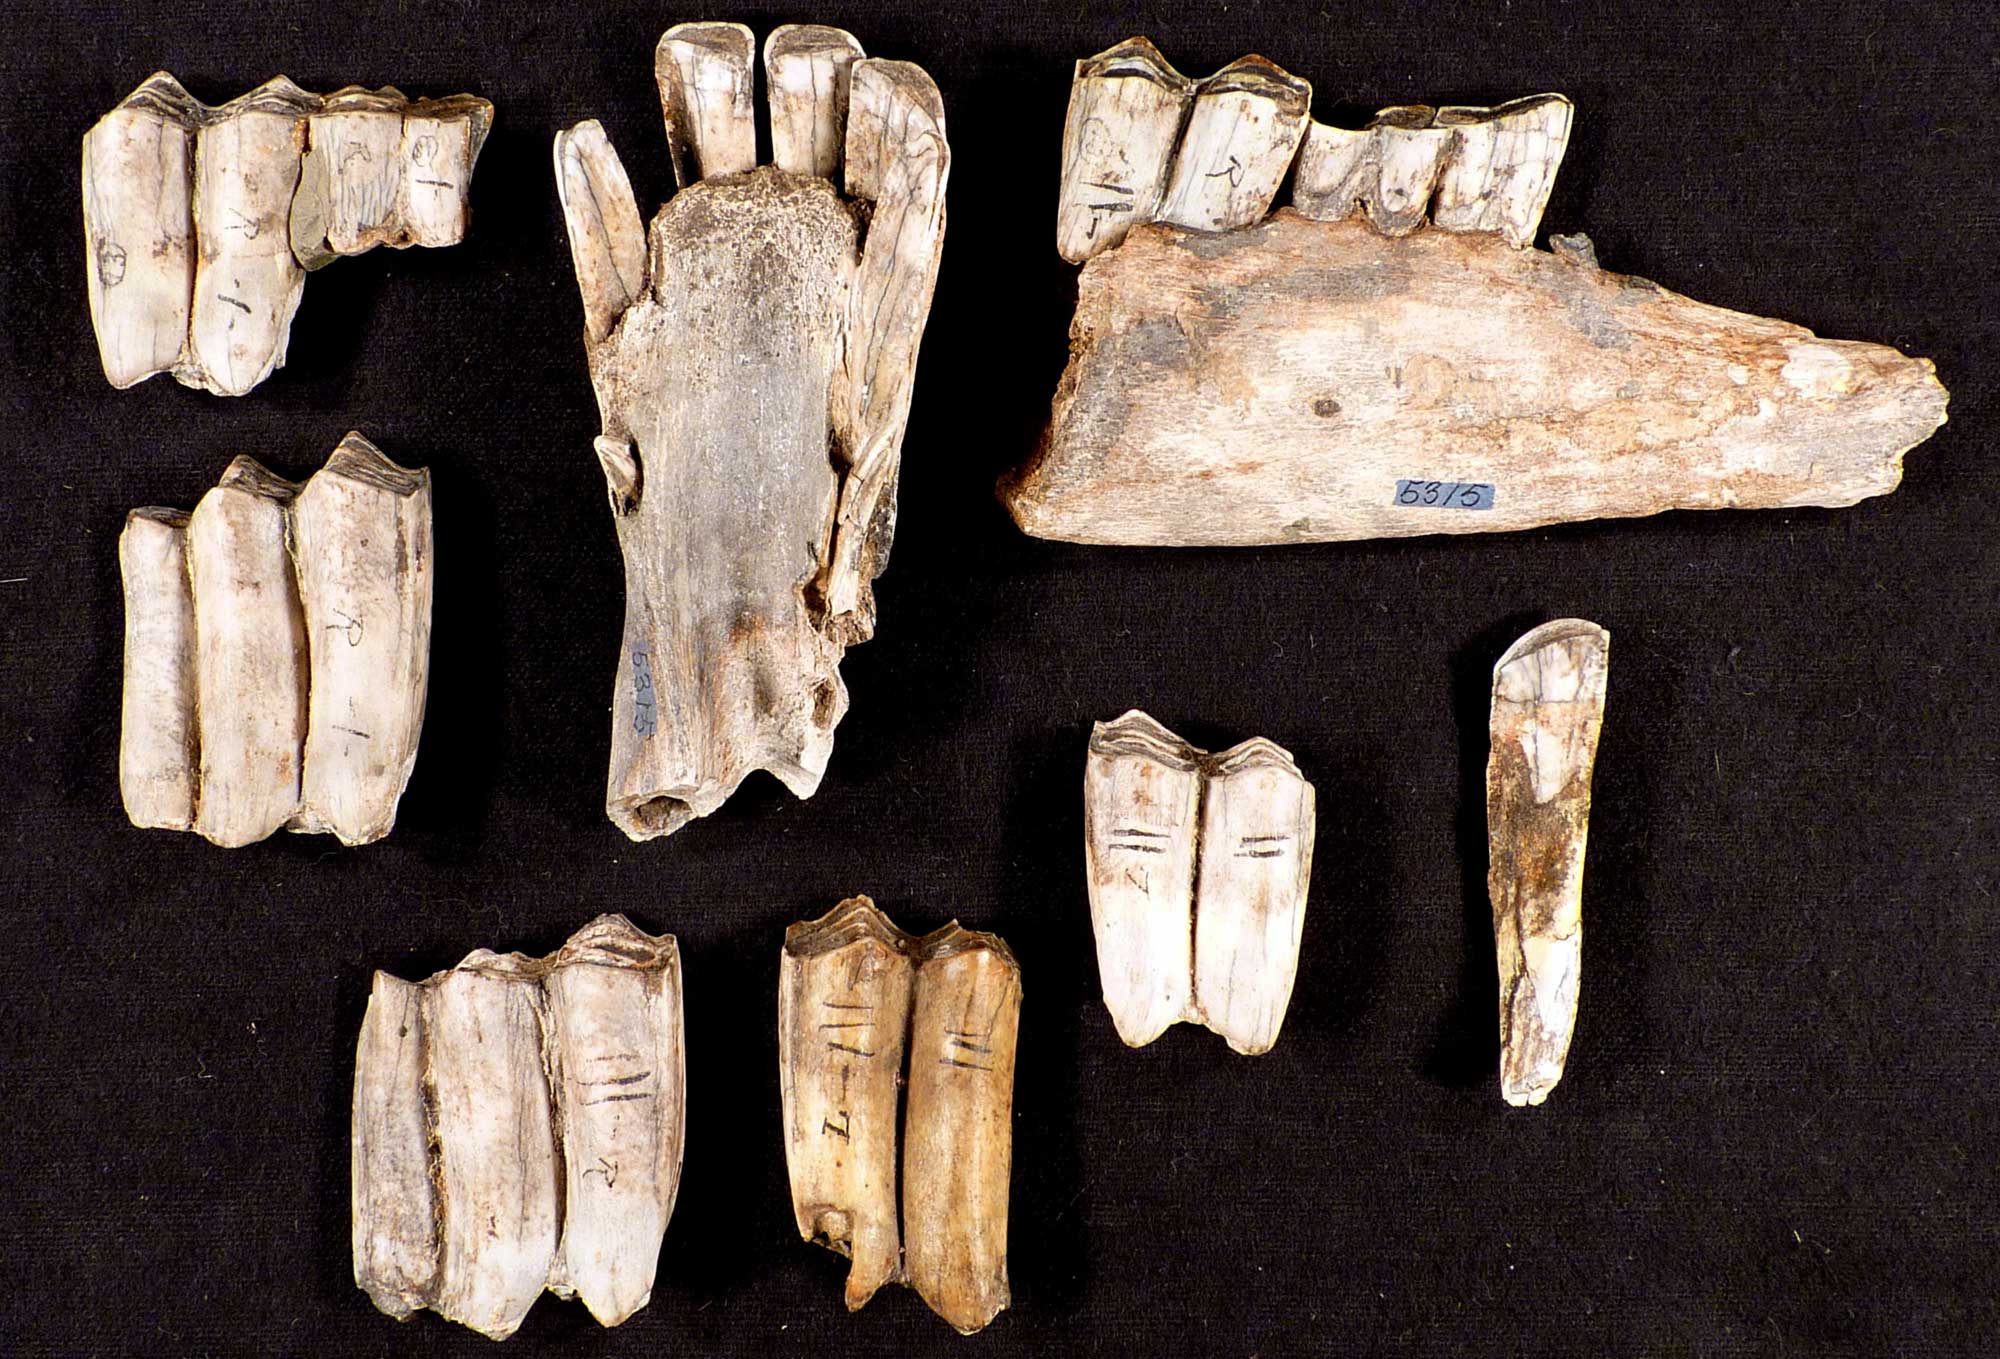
[
  {"x": 1126, "y": 108},
  {"x": 394, "y": 1201},
  {"x": 806, "y": 70},
  {"x": 1548, "y": 706},
  {"x": 137, "y": 166},
  {"x": 355, "y": 141},
  {"x": 607, "y": 244},
  {"x": 1501, "y": 166},
  {"x": 441, "y": 143},
  {"x": 1241, "y": 136},
  {"x": 844, "y": 995},
  {"x": 958, "y": 1139},
  {"x": 1336, "y": 174},
  {"x": 158, "y": 758},
  {"x": 247, "y": 281},
  {"x": 250, "y": 656},
  {"x": 704, "y": 71},
  {"x": 1408, "y": 151},
  {"x": 362, "y": 544}
]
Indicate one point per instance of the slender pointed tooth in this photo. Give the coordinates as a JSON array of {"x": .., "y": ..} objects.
[
  {"x": 250, "y": 656},
  {"x": 1242, "y": 133},
  {"x": 607, "y": 244},
  {"x": 1502, "y": 165},
  {"x": 1141, "y": 813},
  {"x": 1250, "y": 904},
  {"x": 362, "y": 543},
  {"x": 1548, "y": 705},
  {"x": 614, "y": 1012},
  {"x": 497, "y": 1162},
  {"x": 394, "y": 1202},
  {"x": 247, "y": 282},
  {"x": 440, "y": 144},
  {"x": 957, "y": 1128},
  {"x": 157, "y": 752},
  {"x": 806, "y": 69},
  {"x": 844, "y": 994},
  {"x": 1408, "y": 151},
  {"x": 139, "y": 229},
  {"x": 1336, "y": 173},
  {"x": 351, "y": 176},
  {"x": 704, "y": 74},
  {"x": 1126, "y": 107}
]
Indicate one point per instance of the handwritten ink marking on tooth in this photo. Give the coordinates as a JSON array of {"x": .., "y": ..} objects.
[
  {"x": 351, "y": 629},
  {"x": 645, "y": 715},
  {"x": 1262, "y": 846},
  {"x": 1444, "y": 495},
  {"x": 110, "y": 263}
]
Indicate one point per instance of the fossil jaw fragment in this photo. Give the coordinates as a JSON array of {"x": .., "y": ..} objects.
[
  {"x": 1388, "y": 355},
  {"x": 518, "y": 1126},
  {"x": 1548, "y": 705},
  {"x": 768, "y": 320},
  {"x": 859, "y": 1002},
  {"x": 200, "y": 222},
  {"x": 1198, "y": 867},
  {"x": 277, "y": 651}
]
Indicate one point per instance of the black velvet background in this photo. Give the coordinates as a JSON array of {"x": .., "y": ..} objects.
[{"x": 1778, "y": 1131}]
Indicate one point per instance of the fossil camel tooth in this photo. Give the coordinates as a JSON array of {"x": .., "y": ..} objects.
[
  {"x": 442, "y": 139},
  {"x": 856, "y": 997},
  {"x": 1126, "y": 108},
  {"x": 752, "y": 357},
  {"x": 518, "y": 1125},
  {"x": 1241, "y": 135},
  {"x": 1217, "y": 945},
  {"x": 1502, "y": 166},
  {"x": 157, "y": 763},
  {"x": 1548, "y": 705},
  {"x": 355, "y": 144},
  {"x": 806, "y": 70}
]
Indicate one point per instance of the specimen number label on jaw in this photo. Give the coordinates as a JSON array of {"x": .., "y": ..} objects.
[{"x": 1445, "y": 495}]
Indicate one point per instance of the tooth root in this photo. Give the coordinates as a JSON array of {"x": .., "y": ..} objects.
[
  {"x": 1502, "y": 166},
  {"x": 704, "y": 74},
  {"x": 957, "y": 1131},
  {"x": 250, "y": 657},
  {"x": 395, "y": 1205},
  {"x": 1548, "y": 705},
  {"x": 362, "y": 543},
  {"x": 1126, "y": 107},
  {"x": 1141, "y": 800},
  {"x": 614, "y": 1012},
  {"x": 806, "y": 70},
  {"x": 247, "y": 282},
  {"x": 157, "y": 759},
  {"x": 1242, "y": 133},
  {"x": 607, "y": 244},
  {"x": 137, "y": 186},
  {"x": 440, "y": 144},
  {"x": 844, "y": 993}
]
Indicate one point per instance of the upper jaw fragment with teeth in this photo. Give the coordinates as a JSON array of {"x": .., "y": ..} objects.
[
  {"x": 201, "y": 222},
  {"x": 752, "y": 356}
]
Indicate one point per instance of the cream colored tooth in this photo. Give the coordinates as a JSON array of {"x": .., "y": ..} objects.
[
  {"x": 441, "y": 142},
  {"x": 362, "y": 544},
  {"x": 1501, "y": 166},
  {"x": 958, "y": 1135},
  {"x": 394, "y": 1201},
  {"x": 806, "y": 69},
  {"x": 356, "y": 142},
  {"x": 607, "y": 243},
  {"x": 1548, "y": 705},
  {"x": 1408, "y": 152},
  {"x": 1242, "y": 133},
  {"x": 1126, "y": 107},
  {"x": 138, "y": 228},
  {"x": 250, "y": 656},
  {"x": 1337, "y": 173},
  {"x": 704, "y": 75},
  {"x": 158, "y": 758},
  {"x": 614, "y": 1035},
  {"x": 844, "y": 995}
]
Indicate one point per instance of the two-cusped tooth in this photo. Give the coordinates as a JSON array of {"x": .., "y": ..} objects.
[
  {"x": 1548, "y": 706},
  {"x": 860, "y": 1003},
  {"x": 277, "y": 649},
  {"x": 1198, "y": 868}
]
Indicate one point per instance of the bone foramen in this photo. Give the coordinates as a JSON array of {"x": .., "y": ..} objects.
[
  {"x": 768, "y": 322},
  {"x": 1198, "y": 867},
  {"x": 200, "y": 222},
  {"x": 518, "y": 1126},
  {"x": 860, "y": 1003},
  {"x": 277, "y": 651},
  {"x": 1548, "y": 705}
]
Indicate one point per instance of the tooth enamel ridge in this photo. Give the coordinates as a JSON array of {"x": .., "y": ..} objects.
[{"x": 200, "y": 222}]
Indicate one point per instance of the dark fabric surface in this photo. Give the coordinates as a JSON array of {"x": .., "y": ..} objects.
[{"x": 1778, "y": 1131}]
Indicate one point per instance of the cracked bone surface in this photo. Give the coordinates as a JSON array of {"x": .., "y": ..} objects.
[
  {"x": 518, "y": 1126},
  {"x": 860, "y": 1002},
  {"x": 200, "y": 223},
  {"x": 277, "y": 651},
  {"x": 1198, "y": 867},
  {"x": 1390, "y": 355},
  {"x": 1548, "y": 705},
  {"x": 752, "y": 357}
]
